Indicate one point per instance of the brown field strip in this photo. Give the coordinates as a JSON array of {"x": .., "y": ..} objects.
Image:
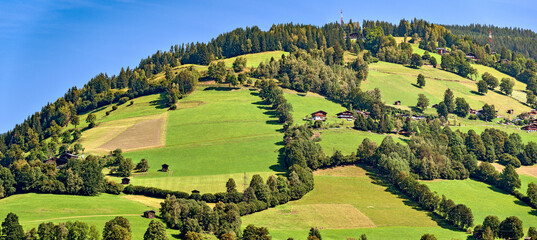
[
  {"x": 342, "y": 171},
  {"x": 142, "y": 135},
  {"x": 523, "y": 170}
]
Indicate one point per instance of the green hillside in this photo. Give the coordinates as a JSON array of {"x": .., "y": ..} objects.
[
  {"x": 33, "y": 209},
  {"x": 484, "y": 200},
  {"x": 346, "y": 202},
  {"x": 398, "y": 82},
  {"x": 220, "y": 133}
]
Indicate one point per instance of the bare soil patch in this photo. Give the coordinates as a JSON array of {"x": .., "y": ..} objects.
[
  {"x": 146, "y": 134},
  {"x": 344, "y": 171}
]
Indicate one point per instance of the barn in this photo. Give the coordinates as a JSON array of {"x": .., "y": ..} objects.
[{"x": 149, "y": 214}]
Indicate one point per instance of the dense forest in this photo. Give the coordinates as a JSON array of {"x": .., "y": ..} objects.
[{"x": 518, "y": 40}]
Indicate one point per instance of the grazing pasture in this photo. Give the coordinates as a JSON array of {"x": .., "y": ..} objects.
[
  {"x": 351, "y": 189},
  {"x": 221, "y": 133},
  {"x": 33, "y": 209},
  {"x": 484, "y": 200}
]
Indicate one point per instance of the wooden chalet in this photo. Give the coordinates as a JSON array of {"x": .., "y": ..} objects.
[
  {"x": 365, "y": 114},
  {"x": 319, "y": 115},
  {"x": 62, "y": 159},
  {"x": 354, "y": 36},
  {"x": 435, "y": 106},
  {"x": 164, "y": 168},
  {"x": 510, "y": 111},
  {"x": 416, "y": 117},
  {"x": 404, "y": 133},
  {"x": 441, "y": 51},
  {"x": 125, "y": 181},
  {"x": 149, "y": 214},
  {"x": 471, "y": 56},
  {"x": 397, "y": 102},
  {"x": 475, "y": 112},
  {"x": 530, "y": 128},
  {"x": 346, "y": 115},
  {"x": 532, "y": 113}
]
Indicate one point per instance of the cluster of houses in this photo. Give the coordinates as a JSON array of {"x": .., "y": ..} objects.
[
  {"x": 347, "y": 115},
  {"x": 532, "y": 116}
]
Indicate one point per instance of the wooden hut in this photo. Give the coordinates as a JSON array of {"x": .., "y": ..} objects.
[
  {"x": 397, "y": 102},
  {"x": 149, "y": 214},
  {"x": 125, "y": 181},
  {"x": 164, "y": 167}
]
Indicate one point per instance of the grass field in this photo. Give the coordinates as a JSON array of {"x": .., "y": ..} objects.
[
  {"x": 227, "y": 133},
  {"x": 33, "y": 209},
  {"x": 348, "y": 140},
  {"x": 254, "y": 59},
  {"x": 397, "y": 82},
  {"x": 345, "y": 203},
  {"x": 485, "y": 200},
  {"x": 306, "y": 104}
]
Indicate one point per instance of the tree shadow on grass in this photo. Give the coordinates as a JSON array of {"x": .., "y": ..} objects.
[
  {"x": 416, "y": 109},
  {"x": 220, "y": 88},
  {"x": 477, "y": 93},
  {"x": 533, "y": 212},
  {"x": 160, "y": 103},
  {"x": 378, "y": 180},
  {"x": 415, "y": 85}
]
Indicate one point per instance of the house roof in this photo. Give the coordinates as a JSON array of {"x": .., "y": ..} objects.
[
  {"x": 345, "y": 113},
  {"x": 320, "y": 111},
  {"x": 149, "y": 211}
]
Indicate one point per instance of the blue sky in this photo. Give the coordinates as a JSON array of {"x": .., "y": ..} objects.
[{"x": 46, "y": 47}]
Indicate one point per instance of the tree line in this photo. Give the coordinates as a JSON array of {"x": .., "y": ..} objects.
[{"x": 118, "y": 228}]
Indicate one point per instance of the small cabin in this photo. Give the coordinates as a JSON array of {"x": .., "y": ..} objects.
[
  {"x": 471, "y": 56},
  {"x": 62, "y": 159},
  {"x": 125, "y": 181},
  {"x": 149, "y": 214},
  {"x": 319, "y": 115},
  {"x": 354, "y": 36},
  {"x": 346, "y": 115},
  {"x": 404, "y": 133},
  {"x": 164, "y": 168},
  {"x": 441, "y": 51},
  {"x": 530, "y": 128},
  {"x": 435, "y": 106},
  {"x": 397, "y": 103},
  {"x": 510, "y": 111}
]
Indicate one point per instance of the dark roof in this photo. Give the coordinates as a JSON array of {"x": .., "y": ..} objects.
[
  {"x": 165, "y": 165},
  {"x": 149, "y": 211},
  {"x": 195, "y": 191},
  {"x": 345, "y": 113},
  {"x": 125, "y": 178}
]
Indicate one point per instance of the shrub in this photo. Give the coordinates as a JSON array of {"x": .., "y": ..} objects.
[{"x": 123, "y": 100}]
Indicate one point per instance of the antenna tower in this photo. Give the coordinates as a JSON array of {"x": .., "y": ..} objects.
[
  {"x": 490, "y": 39},
  {"x": 341, "y": 17}
]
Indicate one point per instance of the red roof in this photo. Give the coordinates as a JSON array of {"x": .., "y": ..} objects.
[{"x": 320, "y": 113}]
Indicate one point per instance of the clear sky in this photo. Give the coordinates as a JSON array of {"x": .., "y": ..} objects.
[{"x": 46, "y": 47}]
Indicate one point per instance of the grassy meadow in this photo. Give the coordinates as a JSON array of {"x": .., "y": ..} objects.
[
  {"x": 33, "y": 209},
  {"x": 348, "y": 140},
  {"x": 226, "y": 133},
  {"x": 398, "y": 82},
  {"x": 347, "y": 202},
  {"x": 484, "y": 200}
]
